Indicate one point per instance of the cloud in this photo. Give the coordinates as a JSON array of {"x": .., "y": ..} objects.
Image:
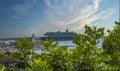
[
  {"x": 22, "y": 9},
  {"x": 96, "y": 4},
  {"x": 75, "y": 14},
  {"x": 69, "y": 14},
  {"x": 26, "y": 5}
]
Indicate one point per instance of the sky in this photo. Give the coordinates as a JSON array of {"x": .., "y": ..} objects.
[{"x": 20, "y": 18}]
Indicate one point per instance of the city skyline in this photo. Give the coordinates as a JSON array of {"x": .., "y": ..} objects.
[{"x": 20, "y": 18}]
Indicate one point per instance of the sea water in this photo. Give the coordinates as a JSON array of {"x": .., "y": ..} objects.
[{"x": 69, "y": 44}]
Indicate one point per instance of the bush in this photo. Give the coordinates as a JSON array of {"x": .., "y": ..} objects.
[{"x": 87, "y": 56}]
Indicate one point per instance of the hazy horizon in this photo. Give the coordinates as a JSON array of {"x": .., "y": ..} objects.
[{"x": 19, "y": 18}]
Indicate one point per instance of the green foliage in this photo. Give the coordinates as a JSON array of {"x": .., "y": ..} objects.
[
  {"x": 57, "y": 57},
  {"x": 39, "y": 65},
  {"x": 24, "y": 45},
  {"x": 2, "y": 68},
  {"x": 87, "y": 56},
  {"x": 2, "y": 57},
  {"x": 23, "y": 57},
  {"x": 48, "y": 45},
  {"x": 112, "y": 46}
]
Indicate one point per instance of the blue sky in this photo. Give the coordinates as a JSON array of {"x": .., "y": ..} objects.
[{"x": 20, "y": 18}]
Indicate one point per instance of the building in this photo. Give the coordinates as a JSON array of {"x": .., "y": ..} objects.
[{"x": 33, "y": 38}]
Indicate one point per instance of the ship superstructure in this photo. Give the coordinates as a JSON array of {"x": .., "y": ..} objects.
[{"x": 60, "y": 35}]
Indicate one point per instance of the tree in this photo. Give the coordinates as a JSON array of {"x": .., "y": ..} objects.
[
  {"x": 39, "y": 65},
  {"x": 23, "y": 58},
  {"x": 57, "y": 57},
  {"x": 112, "y": 47},
  {"x": 87, "y": 55}
]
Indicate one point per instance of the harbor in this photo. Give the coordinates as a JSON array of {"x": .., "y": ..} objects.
[{"x": 63, "y": 38}]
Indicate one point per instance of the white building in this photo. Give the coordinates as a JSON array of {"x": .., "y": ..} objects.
[{"x": 33, "y": 38}]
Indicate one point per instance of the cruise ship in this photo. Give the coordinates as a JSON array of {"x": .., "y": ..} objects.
[{"x": 59, "y": 36}]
